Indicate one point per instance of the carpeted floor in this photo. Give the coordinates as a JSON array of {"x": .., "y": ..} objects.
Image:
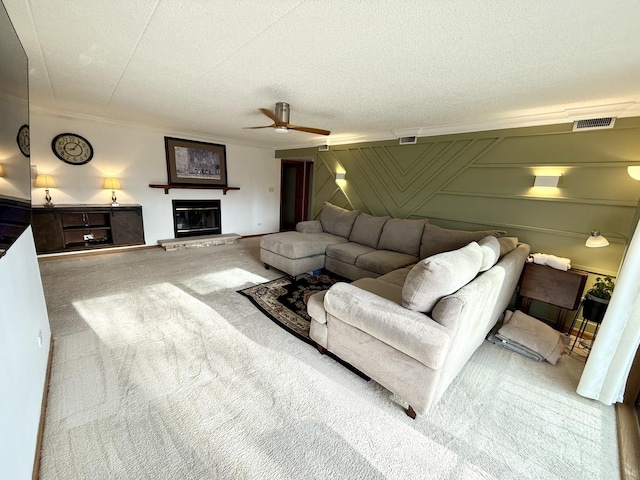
[{"x": 161, "y": 370}]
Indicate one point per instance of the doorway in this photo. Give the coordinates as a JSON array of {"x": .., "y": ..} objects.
[{"x": 295, "y": 183}]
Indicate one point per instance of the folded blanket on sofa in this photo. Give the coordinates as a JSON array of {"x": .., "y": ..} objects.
[
  {"x": 559, "y": 263},
  {"x": 530, "y": 337}
]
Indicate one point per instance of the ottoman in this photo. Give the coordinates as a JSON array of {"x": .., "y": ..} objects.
[{"x": 295, "y": 252}]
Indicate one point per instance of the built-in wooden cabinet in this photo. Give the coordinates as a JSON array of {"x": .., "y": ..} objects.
[{"x": 82, "y": 227}]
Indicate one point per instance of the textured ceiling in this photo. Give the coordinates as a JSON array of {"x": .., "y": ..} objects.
[{"x": 366, "y": 70}]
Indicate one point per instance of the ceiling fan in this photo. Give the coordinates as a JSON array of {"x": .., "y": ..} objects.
[{"x": 281, "y": 121}]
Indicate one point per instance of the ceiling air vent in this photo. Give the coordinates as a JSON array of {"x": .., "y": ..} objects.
[
  {"x": 594, "y": 123},
  {"x": 323, "y": 148},
  {"x": 408, "y": 140}
]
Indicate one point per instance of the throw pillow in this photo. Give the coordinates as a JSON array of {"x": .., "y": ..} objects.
[
  {"x": 337, "y": 220},
  {"x": 402, "y": 235},
  {"x": 437, "y": 239},
  {"x": 367, "y": 229},
  {"x": 490, "y": 252},
  {"x": 440, "y": 275}
]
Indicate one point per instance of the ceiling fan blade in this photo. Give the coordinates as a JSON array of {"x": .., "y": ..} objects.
[
  {"x": 272, "y": 116},
  {"x": 266, "y": 126},
  {"x": 319, "y": 131}
]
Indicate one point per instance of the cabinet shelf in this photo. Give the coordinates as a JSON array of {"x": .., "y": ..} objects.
[
  {"x": 85, "y": 227},
  {"x": 167, "y": 187}
]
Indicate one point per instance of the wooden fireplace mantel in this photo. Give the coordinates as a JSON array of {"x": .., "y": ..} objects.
[{"x": 167, "y": 187}]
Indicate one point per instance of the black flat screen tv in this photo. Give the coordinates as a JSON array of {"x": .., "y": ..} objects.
[{"x": 15, "y": 169}]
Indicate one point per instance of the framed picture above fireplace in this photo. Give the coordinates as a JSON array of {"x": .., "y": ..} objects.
[{"x": 190, "y": 162}]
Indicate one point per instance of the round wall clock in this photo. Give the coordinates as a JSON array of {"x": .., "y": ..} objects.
[
  {"x": 23, "y": 140},
  {"x": 72, "y": 148}
]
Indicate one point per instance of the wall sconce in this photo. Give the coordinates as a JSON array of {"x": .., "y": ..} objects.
[
  {"x": 46, "y": 182},
  {"x": 113, "y": 184},
  {"x": 341, "y": 175},
  {"x": 596, "y": 240},
  {"x": 546, "y": 181},
  {"x": 634, "y": 172}
]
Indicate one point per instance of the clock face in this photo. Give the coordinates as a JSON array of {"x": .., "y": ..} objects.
[
  {"x": 23, "y": 140},
  {"x": 72, "y": 148}
]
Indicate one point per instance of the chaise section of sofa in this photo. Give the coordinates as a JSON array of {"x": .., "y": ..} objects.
[
  {"x": 349, "y": 243},
  {"x": 413, "y": 329}
]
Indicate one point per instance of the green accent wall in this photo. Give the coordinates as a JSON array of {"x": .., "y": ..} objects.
[{"x": 485, "y": 179}]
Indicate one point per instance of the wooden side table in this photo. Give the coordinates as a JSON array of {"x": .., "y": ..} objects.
[{"x": 550, "y": 285}]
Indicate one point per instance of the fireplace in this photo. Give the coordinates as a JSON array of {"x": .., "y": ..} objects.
[{"x": 196, "y": 217}]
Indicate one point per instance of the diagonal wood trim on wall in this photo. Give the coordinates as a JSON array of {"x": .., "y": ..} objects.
[{"x": 481, "y": 179}]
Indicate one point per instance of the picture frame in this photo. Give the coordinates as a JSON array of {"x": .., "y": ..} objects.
[{"x": 190, "y": 162}]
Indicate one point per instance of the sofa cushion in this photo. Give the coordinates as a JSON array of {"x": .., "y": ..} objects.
[
  {"x": 337, "y": 220},
  {"x": 367, "y": 229},
  {"x": 309, "y": 226},
  {"x": 384, "y": 261},
  {"x": 490, "y": 252},
  {"x": 299, "y": 245},
  {"x": 507, "y": 244},
  {"x": 382, "y": 289},
  {"x": 440, "y": 275},
  {"x": 347, "y": 252},
  {"x": 437, "y": 239},
  {"x": 396, "y": 277},
  {"x": 402, "y": 235}
]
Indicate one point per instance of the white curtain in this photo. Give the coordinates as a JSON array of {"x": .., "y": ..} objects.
[{"x": 605, "y": 374}]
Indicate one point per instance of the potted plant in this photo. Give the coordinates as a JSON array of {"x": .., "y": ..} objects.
[{"x": 597, "y": 298}]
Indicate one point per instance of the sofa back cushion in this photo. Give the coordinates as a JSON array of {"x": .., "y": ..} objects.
[
  {"x": 367, "y": 229},
  {"x": 437, "y": 239},
  {"x": 337, "y": 221},
  {"x": 490, "y": 252},
  {"x": 440, "y": 275},
  {"x": 402, "y": 235},
  {"x": 507, "y": 244}
]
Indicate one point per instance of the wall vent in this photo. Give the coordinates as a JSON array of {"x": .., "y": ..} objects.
[
  {"x": 594, "y": 123},
  {"x": 323, "y": 148},
  {"x": 408, "y": 140}
]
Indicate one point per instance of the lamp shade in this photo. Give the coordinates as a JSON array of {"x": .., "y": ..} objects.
[
  {"x": 596, "y": 240},
  {"x": 111, "y": 183},
  {"x": 546, "y": 181},
  {"x": 634, "y": 172},
  {"x": 45, "y": 181}
]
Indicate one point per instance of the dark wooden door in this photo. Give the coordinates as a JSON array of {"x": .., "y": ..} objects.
[
  {"x": 294, "y": 190},
  {"x": 126, "y": 226},
  {"x": 47, "y": 231}
]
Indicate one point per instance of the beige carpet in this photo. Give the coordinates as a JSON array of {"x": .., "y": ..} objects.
[{"x": 162, "y": 371}]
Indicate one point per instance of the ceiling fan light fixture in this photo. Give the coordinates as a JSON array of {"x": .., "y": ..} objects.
[{"x": 281, "y": 129}]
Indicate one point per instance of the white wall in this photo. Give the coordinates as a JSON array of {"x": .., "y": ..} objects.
[
  {"x": 136, "y": 156},
  {"x": 23, "y": 362}
]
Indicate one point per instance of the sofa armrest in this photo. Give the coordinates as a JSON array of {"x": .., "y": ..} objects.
[
  {"x": 413, "y": 333},
  {"x": 309, "y": 226}
]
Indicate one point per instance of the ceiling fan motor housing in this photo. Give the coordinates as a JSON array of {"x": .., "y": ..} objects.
[{"x": 282, "y": 112}]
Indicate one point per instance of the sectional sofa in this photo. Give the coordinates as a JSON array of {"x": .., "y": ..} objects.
[{"x": 422, "y": 300}]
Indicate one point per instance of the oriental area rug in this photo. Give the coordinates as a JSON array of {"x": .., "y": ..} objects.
[{"x": 285, "y": 301}]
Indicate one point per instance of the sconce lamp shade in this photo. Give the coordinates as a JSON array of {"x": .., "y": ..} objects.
[
  {"x": 596, "y": 240},
  {"x": 45, "y": 181},
  {"x": 634, "y": 172},
  {"x": 546, "y": 181},
  {"x": 111, "y": 183},
  {"x": 341, "y": 175}
]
